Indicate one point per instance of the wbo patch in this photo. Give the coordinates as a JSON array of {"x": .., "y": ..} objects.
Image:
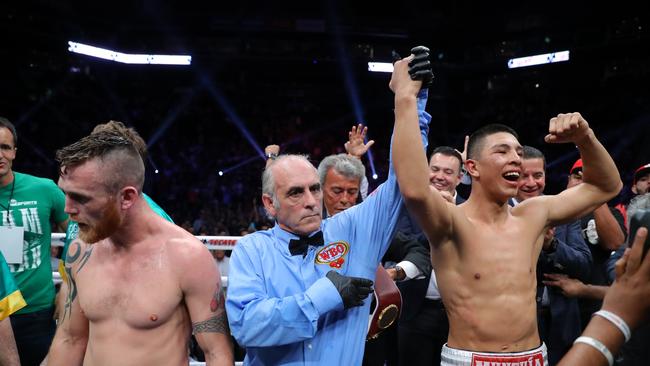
[{"x": 333, "y": 254}]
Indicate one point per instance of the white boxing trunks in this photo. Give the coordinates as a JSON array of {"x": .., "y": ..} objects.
[{"x": 458, "y": 357}]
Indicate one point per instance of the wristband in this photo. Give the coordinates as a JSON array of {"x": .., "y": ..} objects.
[
  {"x": 617, "y": 321},
  {"x": 597, "y": 345},
  {"x": 271, "y": 156}
]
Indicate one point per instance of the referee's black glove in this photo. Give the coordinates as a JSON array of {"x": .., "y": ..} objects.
[
  {"x": 352, "y": 289},
  {"x": 420, "y": 66}
]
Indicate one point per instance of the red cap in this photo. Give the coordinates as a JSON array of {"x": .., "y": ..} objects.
[
  {"x": 576, "y": 165},
  {"x": 643, "y": 170}
]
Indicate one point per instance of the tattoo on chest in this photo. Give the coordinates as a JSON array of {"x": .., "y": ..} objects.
[
  {"x": 85, "y": 257},
  {"x": 216, "y": 324}
]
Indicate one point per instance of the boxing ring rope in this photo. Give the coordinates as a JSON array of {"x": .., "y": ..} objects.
[{"x": 211, "y": 242}]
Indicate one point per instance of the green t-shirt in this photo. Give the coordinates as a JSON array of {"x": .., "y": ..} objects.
[
  {"x": 11, "y": 300},
  {"x": 72, "y": 231},
  {"x": 34, "y": 204}
]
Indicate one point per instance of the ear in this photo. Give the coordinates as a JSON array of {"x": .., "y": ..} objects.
[
  {"x": 634, "y": 190},
  {"x": 471, "y": 166},
  {"x": 267, "y": 200},
  {"x": 128, "y": 196}
]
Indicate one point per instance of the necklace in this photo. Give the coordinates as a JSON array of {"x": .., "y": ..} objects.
[{"x": 11, "y": 195}]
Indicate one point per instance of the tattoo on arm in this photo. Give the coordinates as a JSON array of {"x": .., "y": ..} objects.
[
  {"x": 219, "y": 322},
  {"x": 218, "y": 299},
  {"x": 216, "y": 324},
  {"x": 72, "y": 293},
  {"x": 73, "y": 254}
]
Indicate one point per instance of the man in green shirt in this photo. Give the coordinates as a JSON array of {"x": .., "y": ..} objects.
[{"x": 27, "y": 206}]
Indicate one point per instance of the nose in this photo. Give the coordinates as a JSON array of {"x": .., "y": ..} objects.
[
  {"x": 347, "y": 198},
  {"x": 515, "y": 158},
  {"x": 529, "y": 181},
  {"x": 69, "y": 208},
  {"x": 311, "y": 199}
]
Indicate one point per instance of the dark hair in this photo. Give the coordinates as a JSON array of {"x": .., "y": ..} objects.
[
  {"x": 121, "y": 160},
  {"x": 475, "y": 143},
  {"x": 449, "y": 151},
  {"x": 10, "y": 126},
  {"x": 119, "y": 129},
  {"x": 533, "y": 153}
]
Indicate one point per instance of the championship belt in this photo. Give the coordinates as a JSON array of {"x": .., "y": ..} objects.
[{"x": 386, "y": 304}]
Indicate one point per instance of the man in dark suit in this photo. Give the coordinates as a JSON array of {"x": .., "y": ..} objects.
[
  {"x": 564, "y": 251},
  {"x": 423, "y": 325}
]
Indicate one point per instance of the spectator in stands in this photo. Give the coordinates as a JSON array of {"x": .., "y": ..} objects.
[{"x": 604, "y": 231}]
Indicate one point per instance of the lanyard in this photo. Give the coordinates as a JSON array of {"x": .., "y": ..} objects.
[{"x": 11, "y": 195}]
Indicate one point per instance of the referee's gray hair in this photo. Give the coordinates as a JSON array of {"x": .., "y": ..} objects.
[
  {"x": 268, "y": 180},
  {"x": 344, "y": 164}
]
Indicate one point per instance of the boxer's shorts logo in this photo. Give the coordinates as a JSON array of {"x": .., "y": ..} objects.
[
  {"x": 333, "y": 254},
  {"x": 535, "y": 359}
]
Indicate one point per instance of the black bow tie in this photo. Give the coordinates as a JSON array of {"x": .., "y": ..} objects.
[{"x": 299, "y": 246}]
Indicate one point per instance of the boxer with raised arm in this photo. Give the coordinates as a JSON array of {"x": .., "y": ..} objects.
[{"x": 483, "y": 251}]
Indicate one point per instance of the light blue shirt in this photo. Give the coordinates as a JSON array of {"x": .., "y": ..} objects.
[{"x": 284, "y": 310}]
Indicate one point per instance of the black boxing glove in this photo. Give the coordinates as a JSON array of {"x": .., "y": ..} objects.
[
  {"x": 353, "y": 290},
  {"x": 420, "y": 66}
]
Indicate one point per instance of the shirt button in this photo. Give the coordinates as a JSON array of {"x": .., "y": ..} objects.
[{"x": 309, "y": 345}]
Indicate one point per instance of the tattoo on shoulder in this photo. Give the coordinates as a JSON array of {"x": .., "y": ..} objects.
[
  {"x": 218, "y": 299},
  {"x": 216, "y": 324},
  {"x": 74, "y": 251},
  {"x": 85, "y": 257}
]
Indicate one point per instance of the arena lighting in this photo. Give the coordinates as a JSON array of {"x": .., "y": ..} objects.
[
  {"x": 547, "y": 58},
  {"x": 375, "y": 176},
  {"x": 380, "y": 66},
  {"x": 128, "y": 58}
]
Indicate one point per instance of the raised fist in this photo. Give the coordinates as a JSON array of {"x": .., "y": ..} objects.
[
  {"x": 420, "y": 66},
  {"x": 569, "y": 127}
]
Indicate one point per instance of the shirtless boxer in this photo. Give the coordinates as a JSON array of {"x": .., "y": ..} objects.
[
  {"x": 483, "y": 251},
  {"x": 139, "y": 285}
]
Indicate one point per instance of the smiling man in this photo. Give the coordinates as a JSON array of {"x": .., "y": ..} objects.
[
  {"x": 446, "y": 172},
  {"x": 483, "y": 251}
]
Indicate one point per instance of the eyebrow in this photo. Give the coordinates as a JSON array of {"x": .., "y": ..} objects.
[
  {"x": 76, "y": 195},
  {"x": 507, "y": 146},
  {"x": 294, "y": 189}
]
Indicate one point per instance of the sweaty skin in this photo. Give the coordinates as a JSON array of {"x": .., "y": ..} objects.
[
  {"x": 484, "y": 252},
  {"x": 135, "y": 296}
]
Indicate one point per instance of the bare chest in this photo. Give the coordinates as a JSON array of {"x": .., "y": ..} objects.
[
  {"x": 506, "y": 254},
  {"x": 138, "y": 293}
]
